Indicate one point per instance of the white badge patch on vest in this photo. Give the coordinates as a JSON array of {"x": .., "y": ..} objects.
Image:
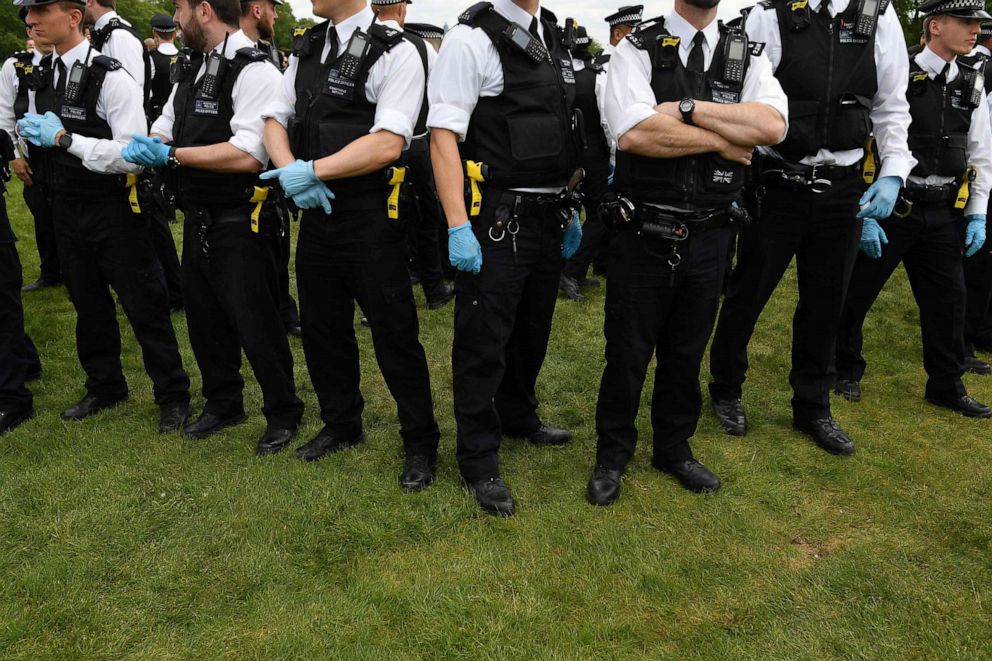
[
  {"x": 74, "y": 113},
  {"x": 846, "y": 34},
  {"x": 724, "y": 93},
  {"x": 206, "y": 107},
  {"x": 957, "y": 102},
  {"x": 567, "y": 72},
  {"x": 338, "y": 86}
]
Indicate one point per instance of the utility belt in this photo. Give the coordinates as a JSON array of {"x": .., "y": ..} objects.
[
  {"x": 816, "y": 179},
  {"x": 204, "y": 218},
  {"x": 619, "y": 213},
  {"x": 920, "y": 194}
]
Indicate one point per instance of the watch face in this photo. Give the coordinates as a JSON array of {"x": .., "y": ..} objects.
[{"x": 686, "y": 105}]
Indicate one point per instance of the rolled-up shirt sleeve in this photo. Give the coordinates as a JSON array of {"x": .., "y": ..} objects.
[
  {"x": 629, "y": 99},
  {"x": 121, "y": 107},
  {"x": 282, "y": 106},
  {"x": 163, "y": 125},
  {"x": 254, "y": 90},
  {"x": 761, "y": 86},
  {"x": 456, "y": 82},
  {"x": 890, "y": 110},
  {"x": 396, "y": 85}
]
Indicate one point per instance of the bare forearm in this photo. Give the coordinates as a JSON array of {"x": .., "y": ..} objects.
[
  {"x": 222, "y": 157},
  {"x": 661, "y": 136},
  {"x": 448, "y": 176},
  {"x": 277, "y": 143},
  {"x": 368, "y": 154},
  {"x": 744, "y": 124}
]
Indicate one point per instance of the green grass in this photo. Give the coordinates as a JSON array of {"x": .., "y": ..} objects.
[{"x": 116, "y": 542}]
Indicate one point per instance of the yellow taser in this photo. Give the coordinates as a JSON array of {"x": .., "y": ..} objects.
[
  {"x": 132, "y": 193},
  {"x": 964, "y": 192},
  {"x": 476, "y": 174},
  {"x": 258, "y": 199},
  {"x": 395, "y": 177}
]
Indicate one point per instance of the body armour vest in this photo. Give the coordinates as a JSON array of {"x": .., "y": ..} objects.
[
  {"x": 101, "y": 36},
  {"x": 828, "y": 72},
  {"x": 65, "y": 173},
  {"x": 26, "y": 77},
  {"x": 530, "y": 135},
  {"x": 585, "y": 102},
  {"x": 702, "y": 181},
  {"x": 161, "y": 85},
  {"x": 938, "y": 134},
  {"x": 332, "y": 108},
  {"x": 206, "y": 120}
]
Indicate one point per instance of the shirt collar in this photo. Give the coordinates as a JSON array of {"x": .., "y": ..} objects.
[
  {"x": 347, "y": 27},
  {"x": 513, "y": 12},
  {"x": 235, "y": 42},
  {"x": 103, "y": 20},
  {"x": 836, "y": 6},
  {"x": 679, "y": 27},
  {"x": 933, "y": 64},
  {"x": 70, "y": 57},
  {"x": 167, "y": 49}
]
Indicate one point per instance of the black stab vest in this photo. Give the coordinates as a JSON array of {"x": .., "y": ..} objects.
[
  {"x": 101, "y": 36},
  {"x": 325, "y": 121},
  {"x": 585, "y": 101},
  {"x": 26, "y": 77},
  {"x": 63, "y": 172},
  {"x": 530, "y": 135},
  {"x": 702, "y": 181},
  {"x": 161, "y": 85},
  {"x": 938, "y": 134},
  {"x": 830, "y": 77},
  {"x": 201, "y": 122}
]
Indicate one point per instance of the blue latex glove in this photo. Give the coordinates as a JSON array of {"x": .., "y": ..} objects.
[
  {"x": 880, "y": 198},
  {"x": 613, "y": 172},
  {"x": 464, "y": 250},
  {"x": 145, "y": 151},
  {"x": 573, "y": 237},
  {"x": 974, "y": 236},
  {"x": 295, "y": 177},
  {"x": 40, "y": 130},
  {"x": 317, "y": 195},
  {"x": 872, "y": 238}
]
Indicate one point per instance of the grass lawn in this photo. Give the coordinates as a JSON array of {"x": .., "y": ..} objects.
[{"x": 116, "y": 542}]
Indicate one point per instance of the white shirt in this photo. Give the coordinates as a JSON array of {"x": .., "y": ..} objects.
[
  {"x": 601, "y": 79},
  {"x": 168, "y": 48},
  {"x": 630, "y": 99},
  {"x": 395, "y": 84},
  {"x": 253, "y": 92},
  {"x": 890, "y": 110},
  {"x": 125, "y": 48},
  {"x": 9, "y": 86},
  {"x": 120, "y": 104},
  {"x": 431, "y": 59},
  {"x": 469, "y": 68},
  {"x": 979, "y": 145}
]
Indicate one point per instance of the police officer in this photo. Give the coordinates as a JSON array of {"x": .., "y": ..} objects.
[
  {"x": 504, "y": 88},
  {"x": 258, "y": 18},
  {"x": 949, "y": 137},
  {"x": 350, "y": 99},
  {"x": 595, "y": 160},
  {"x": 162, "y": 57},
  {"x": 422, "y": 210},
  {"x": 16, "y": 78},
  {"x": 842, "y": 64},
  {"x": 209, "y": 135},
  {"x": 17, "y": 357},
  {"x": 978, "y": 269},
  {"x": 689, "y": 99},
  {"x": 80, "y": 117}
]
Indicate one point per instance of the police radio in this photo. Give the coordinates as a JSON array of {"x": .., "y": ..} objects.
[
  {"x": 214, "y": 73},
  {"x": 867, "y": 18},
  {"x": 526, "y": 42},
  {"x": 734, "y": 57},
  {"x": 354, "y": 55},
  {"x": 75, "y": 83}
]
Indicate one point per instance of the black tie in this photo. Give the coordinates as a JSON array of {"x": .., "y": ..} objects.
[
  {"x": 941, "y": 78},
  {"x": 332, "y": 39},
  {"x": 825, "y": 9},
  {"x": 696, "y": 62},
  {"x": 60, "y": 86}
]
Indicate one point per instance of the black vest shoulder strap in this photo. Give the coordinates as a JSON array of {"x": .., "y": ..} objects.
[
  {"x": 648, "y": 33},
  {"x": 24, "y": 56},
  {"x": 307, "y": 39},
  {"x": 601, "y": 60},
  {"x": 385, "y": 35},
  {"x": 107, "y": 63},
  {"x": 471, "y": 15}
]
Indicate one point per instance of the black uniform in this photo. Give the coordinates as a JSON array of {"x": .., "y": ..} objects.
[
  {"x": 356, "y": 255},
  {"x": 37, "y": 196},
  {"x": 102, "y": 244},
  {"x": 663, "y": 294},
  {"x": 526, "y": 138},
  {"x": 161, "y": 84},
  {"x": 230, "y": 304},
  {"x": 830, "y": 79},
  {"x": 928, "y": 242}
]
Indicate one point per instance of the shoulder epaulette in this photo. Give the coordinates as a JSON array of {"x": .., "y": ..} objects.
[
  {"x": 386, "y": 34},
  {"x": 757, "y": 48},
  {"x": 24, "y": 56},
  {"x": 602, "y": 59},
  {"x": 252, "y": 54},
  {"x": 469, "y": 16},
  {"x": 108, "y": 63},
  {"x": 882, "y": 7},
  {"x": 767, "y": 4},
  {"x": 305, "y": 38}
]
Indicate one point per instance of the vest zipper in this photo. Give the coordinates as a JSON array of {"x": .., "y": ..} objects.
[
  {"x": 939, "y": 152},
  {"x": 827, "y": 117}
]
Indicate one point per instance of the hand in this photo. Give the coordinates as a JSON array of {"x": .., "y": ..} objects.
[
  {"x": 317, "y": 195},
  {"x": 880, "y": 198},
  {"x": 464, "y": 250},
  {"x": 40, "y": 130},
  {"x": 294, "y": 178},
  {"x": 23, "y": 171},
  {"x": 573, "y": 237},
  {"x": 149, "y": 152},
  {"x": 736, "y": 153},
  {"x": 974, "y": 236},
  {"x": 670, "y": 108},
  {"x": 872, "y": 238}
]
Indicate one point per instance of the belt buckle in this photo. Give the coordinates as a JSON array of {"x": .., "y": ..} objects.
[{"x": 817, "y": 185}]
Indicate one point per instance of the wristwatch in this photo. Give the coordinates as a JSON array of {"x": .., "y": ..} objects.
[
  {"x": 172, "y": 162},
  {"x": 65, "y": 140},
  {"x": 686, "y": 107}
]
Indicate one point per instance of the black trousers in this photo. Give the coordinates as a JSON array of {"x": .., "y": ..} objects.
[
  {"x": 165, "y": 251},
  {"x": 424, "y": 221},
  {"x": 652, "y": 309},
  {"x": 103, "y": 245},
  {"x": 18, "y": 357},
  {"x": 929, "y": 244},
  {"x": 503, "y": 321},
  {"x": 230, "y": 306},
  {"x": 279, "y": 249},
  {"x": 822, "y": 232},
  {"x": 358, "y": 256},
  {"x": 38, "y": 198},
  {"x": 978, "y": 308},
  {"x": 595, "y": 235}
]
